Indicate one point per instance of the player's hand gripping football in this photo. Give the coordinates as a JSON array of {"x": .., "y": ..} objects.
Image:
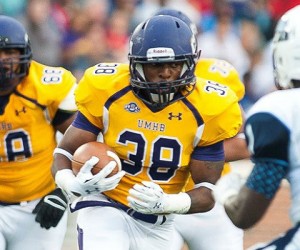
[
  {"x": 228, "y": 186},
  {"x": 86, "y": 183},
  {"x": 149, "y": 198},
  {"x": 51, "y": 208}
]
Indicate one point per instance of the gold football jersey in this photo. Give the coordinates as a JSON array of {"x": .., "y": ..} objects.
[
  {"x": 27, "y": 136},
  {"x": 155, "y": 146},
  {"x": 222, "y": 72}
]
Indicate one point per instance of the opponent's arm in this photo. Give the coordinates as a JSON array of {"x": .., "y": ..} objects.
[{"x": 246, "y": 203}]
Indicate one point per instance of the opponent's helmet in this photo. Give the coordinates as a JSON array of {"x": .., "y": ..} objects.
[
  {"x": 286, "y": 50},
  {"x": 13, "y": 36},
  {"x": 162, "y": 39},
  {"x": 179, "y": 14}
]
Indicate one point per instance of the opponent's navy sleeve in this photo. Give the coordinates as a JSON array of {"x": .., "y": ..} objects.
[
  {"x": 267, "y": 137},
  {"x": 268, "y": 141}
]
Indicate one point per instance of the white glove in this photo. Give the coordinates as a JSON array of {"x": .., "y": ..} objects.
[
  {"x": 228, "y": 186},
  {"x": 149, "y": 198},
  {"x": 85, "y": 182}
]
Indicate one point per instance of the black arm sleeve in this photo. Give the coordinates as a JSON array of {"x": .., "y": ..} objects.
[{"x": 61, "y": 116}]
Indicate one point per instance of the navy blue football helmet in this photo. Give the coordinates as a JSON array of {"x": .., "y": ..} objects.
[
  {"x": 162, "y": 39},
  {"x": 179, "y": 14},
  {"x": 13, "y": 36}
]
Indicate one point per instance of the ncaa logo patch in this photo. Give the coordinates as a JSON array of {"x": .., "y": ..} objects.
[{"x": 132, "y": 107}]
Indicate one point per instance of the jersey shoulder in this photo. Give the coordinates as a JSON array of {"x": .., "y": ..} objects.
[
  {"x": 218, "y": 106},
  {"x": 283, "y": 104},
  {"x": 212, "y": 98},
  {"x": 221, "y": 71},
  {"x": 280, "y": 109},
  {"x": 105, "y": 75},
  {"x": 104, "y": 79},
  {"x": 47, "y": 84}
]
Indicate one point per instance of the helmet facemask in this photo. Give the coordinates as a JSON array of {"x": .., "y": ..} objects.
[
  {"x": 13, "y": 69},
  {"x": 13, "y": 36},
  {"x": 163, "y": 93}
]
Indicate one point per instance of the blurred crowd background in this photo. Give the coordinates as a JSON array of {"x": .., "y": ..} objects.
[{"x": 77, "y": 34}]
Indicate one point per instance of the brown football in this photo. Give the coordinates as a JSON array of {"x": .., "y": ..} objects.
[{"x": 98, "y": 149}]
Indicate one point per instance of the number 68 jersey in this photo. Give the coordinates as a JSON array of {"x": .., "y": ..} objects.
[
  {"x": 27, "y": 137},
  {"x": 155, "y": 145}
]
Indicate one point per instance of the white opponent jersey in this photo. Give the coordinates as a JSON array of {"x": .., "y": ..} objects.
[{"x": 281, "y": 138}]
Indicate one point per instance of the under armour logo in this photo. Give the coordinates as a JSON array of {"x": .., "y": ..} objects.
[
  {"x": 96, "y": 189},
  {"x": 171, "y": 116},
  {"x": 23, "y": 110},
  {"x": 157, "y": 205}
]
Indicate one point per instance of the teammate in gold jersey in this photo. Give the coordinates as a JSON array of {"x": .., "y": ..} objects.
[
  {"x": 163, "y": 123},
  {"x": 196, "y": 229},
  {"x": 35, "y": 102},
  {"x": 213, "y": 229}
]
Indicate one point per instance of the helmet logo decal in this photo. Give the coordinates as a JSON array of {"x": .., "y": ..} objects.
[
  {"x": 3, "y": 40},
  {"x": 153, "y": 53}
]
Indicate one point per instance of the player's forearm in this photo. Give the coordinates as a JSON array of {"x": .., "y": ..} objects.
[
  {"x": 202, "y": 200},
  {"x": 62, "y": 160},
  {"x": 205, "y": 174},
  {"x": 246, "y": 208}
]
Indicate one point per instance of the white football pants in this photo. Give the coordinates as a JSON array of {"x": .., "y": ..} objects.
[
  {"x": 112, "y": 228},
  {"x": 19, "y": 230},
  {"x": 207, "y": 231}
]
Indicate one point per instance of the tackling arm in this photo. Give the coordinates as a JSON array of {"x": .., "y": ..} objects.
[
  {"x": 246, "y": 204},
  {"x": 269, "y": 145}
]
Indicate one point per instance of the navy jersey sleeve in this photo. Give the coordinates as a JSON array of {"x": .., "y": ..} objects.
[
  {"x": 267, "y": 137},
  {"x": 213, "y": 152},
  {"x": 82, "y": 122}
]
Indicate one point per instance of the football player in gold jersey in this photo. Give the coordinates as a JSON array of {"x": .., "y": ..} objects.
[
  {"x": 213, "y": 229},
  {"x": 196, "y": 229},
  {"x": 35, "y": 102},
  {"x": 163, "y": 123}
]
